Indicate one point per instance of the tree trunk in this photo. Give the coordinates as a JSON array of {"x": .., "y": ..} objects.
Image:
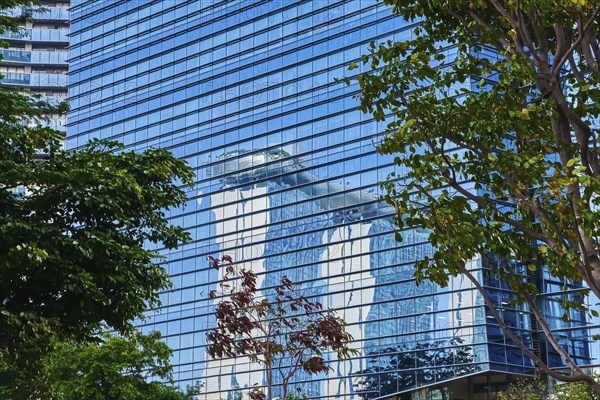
[
  {"x": 594, "y": 274},
  {"x": 578, "y": 376},
  {"x": 269, "y": 382}
]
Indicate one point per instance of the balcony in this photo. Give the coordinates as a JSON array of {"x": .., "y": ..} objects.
[
  {"x": 49, "y": 80},
  {"x": 50, "y": 35},
  {"x": 35, "y": 57},
  {"x": 14, "y": 78},
  {"x": 49, "y": 57},
  {"x": 22, "y": 34},
  {"x": 59, "y": 125},
  {"x": 38, "y": 35},
  {"x": 50, "y": 13},
  {"x": 16, "y": 56},
  {"x": 35, "y": 80},
  {"x": 39, "y": 13}
]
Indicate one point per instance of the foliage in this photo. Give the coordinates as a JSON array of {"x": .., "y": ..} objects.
[
  {"x": 111, "y": 367},
  {"x": 493, "y": 111},
  {"x": 525, "y": 389},
  {"x": 116, "y": 368},
  {"x": 574, "y": 391},
  {"x": 72, "y": 253},
  {"x": 392, "y": 369},
  {"x": 536, "y": 389},
  {"x": 287, "y": 333}
]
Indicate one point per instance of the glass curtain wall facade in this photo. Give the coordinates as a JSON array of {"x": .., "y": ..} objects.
[
  {"x": 286, "y": 185},
  {"x": 35, "y": 58}
]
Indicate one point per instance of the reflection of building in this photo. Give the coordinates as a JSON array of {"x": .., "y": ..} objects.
[
  {"x": 286, "y": 184},
  {"x": 354, "y": 266},
  {"x": 35, "y": 59}
]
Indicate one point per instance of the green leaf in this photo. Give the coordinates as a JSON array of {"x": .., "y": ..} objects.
[
  {"x": 572, "y": 162},
  {"x": 410, "y": 123}
]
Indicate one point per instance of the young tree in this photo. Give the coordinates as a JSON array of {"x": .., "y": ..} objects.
[
  {"x": 73, "y": 228},
  {"x": 286, "y": 333},
  {"x": 494, "y": 111}
]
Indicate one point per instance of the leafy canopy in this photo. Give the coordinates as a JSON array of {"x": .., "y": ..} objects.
[
  {"x": 72, "y": 229},
  {"x": 493, "y": 113},
  {"x": 525, "y": 389},
  {"x": 574, "y": 391},
  {"x": 132, "y": 367}
]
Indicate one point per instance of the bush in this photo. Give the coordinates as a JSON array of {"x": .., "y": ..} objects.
[
  {"x": 575, "y": 391},
  {"x": 525, "y": 389}
]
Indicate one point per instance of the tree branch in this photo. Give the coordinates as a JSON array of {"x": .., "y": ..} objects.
[
  {"x": 550, "y": 337},
  {"x": 540, "y": 36},
  {"x": 519, "y": 26},
  {"x": 561, "y": 45},
  {"x": 491, "y": 306},
  {"x": 575, "y": 68},
  {"x": 593, "y": 41},
  {"x": 582, "y": 32}
]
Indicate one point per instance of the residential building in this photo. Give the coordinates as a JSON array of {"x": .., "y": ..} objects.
[
  {"x": 287, "y": 176},
  {"x": 36, "y": 58}
]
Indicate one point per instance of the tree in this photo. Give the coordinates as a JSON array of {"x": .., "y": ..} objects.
[
  {"x": 493, "y": 113},
  {"x": 536, "y": 389},
  {"x": 286, "y": 333},
  {"x": 74, "y": 226},
  {"x": 135, "y": 366},
  {"x": 525, "y": 389},
  {"x": 117, "y": 368},
  {"x": 574, "y": 391}
]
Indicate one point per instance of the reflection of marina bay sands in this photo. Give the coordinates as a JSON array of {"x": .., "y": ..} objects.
[
  {"x": 246, "y": 167},
  {"x": 368, "y": 278}
]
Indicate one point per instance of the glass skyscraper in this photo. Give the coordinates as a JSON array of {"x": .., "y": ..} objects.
[{"x": 287, "y": 176}]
